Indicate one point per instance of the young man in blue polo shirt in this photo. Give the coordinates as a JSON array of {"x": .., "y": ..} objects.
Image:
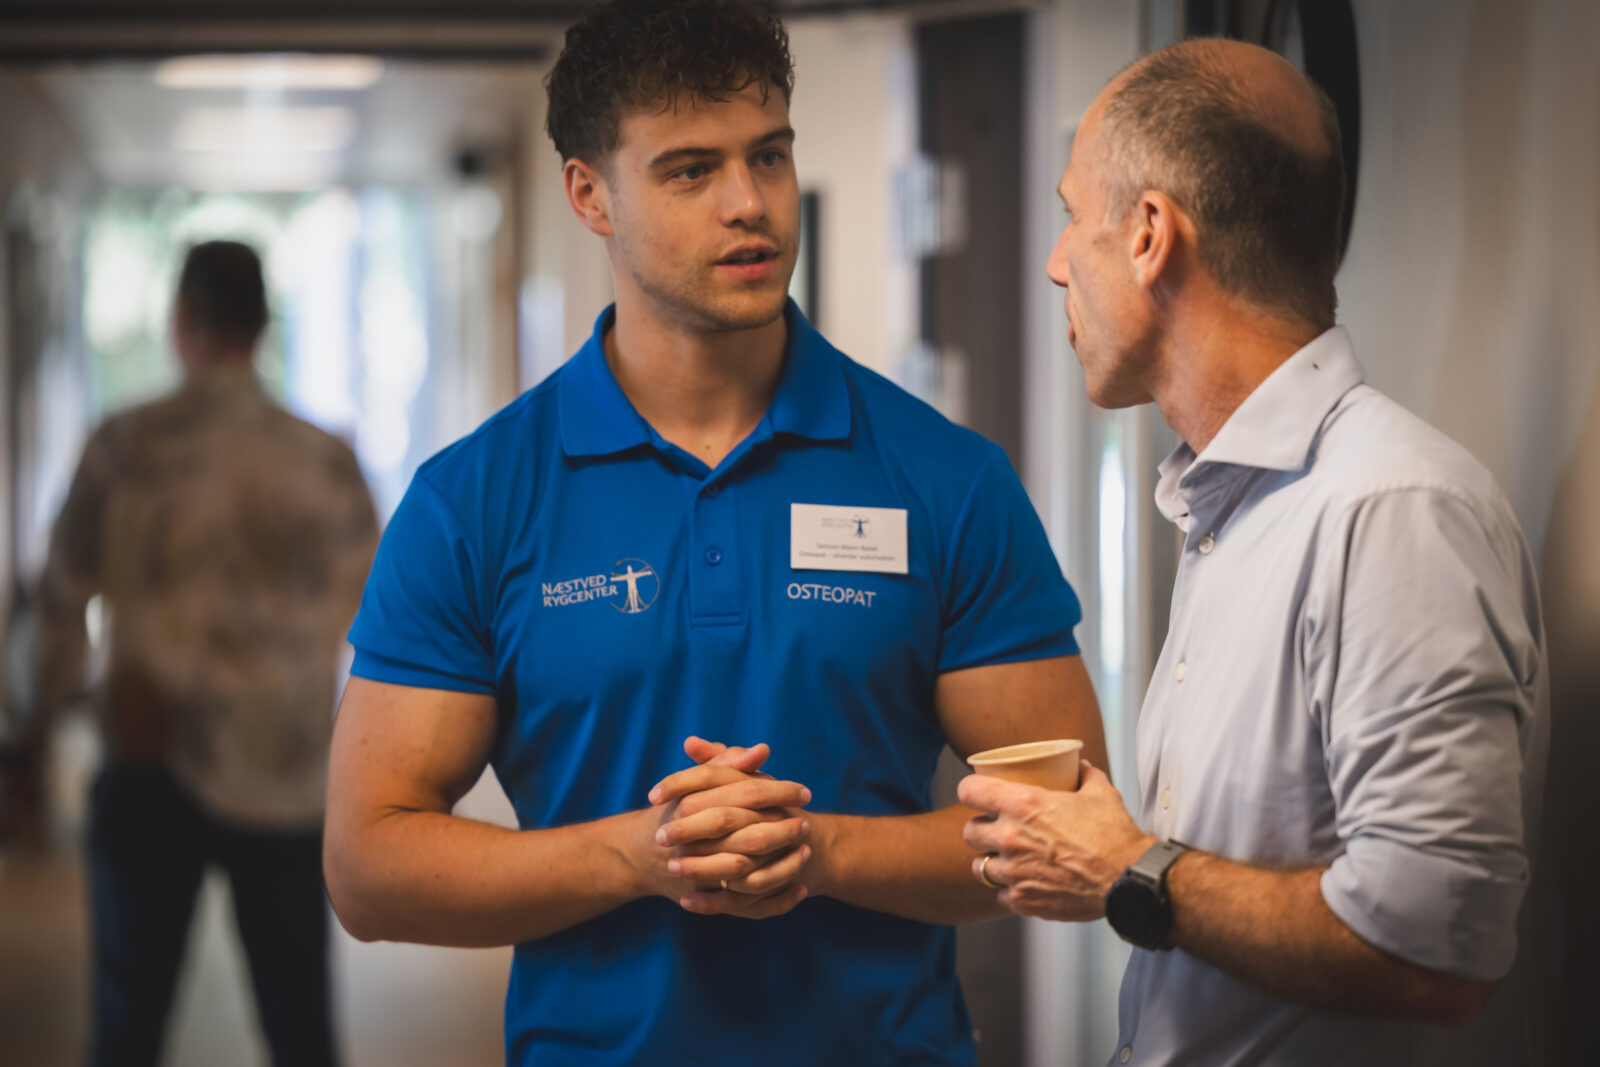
[{"x": 710, "y": 525}]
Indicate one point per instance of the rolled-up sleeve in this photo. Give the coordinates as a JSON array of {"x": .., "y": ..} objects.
[{"x": 1426, "y": 707}]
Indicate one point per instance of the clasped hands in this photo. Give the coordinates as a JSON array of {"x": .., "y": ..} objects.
[
  {"x": 729, "y": 839},
  {"x": 1054, "y": 855}
]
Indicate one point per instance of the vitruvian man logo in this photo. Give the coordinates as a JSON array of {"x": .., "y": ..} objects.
[
  {"x": 643, "y": 585},
  {"x": 861, "y": 525}
]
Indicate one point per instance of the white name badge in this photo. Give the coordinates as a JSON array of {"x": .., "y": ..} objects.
[{"x": 828, "y": 537}]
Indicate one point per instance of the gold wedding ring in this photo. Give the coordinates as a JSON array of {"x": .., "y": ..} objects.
[
  {"x": 983, "y": 871},
  {"x": 724, "y": 885}
]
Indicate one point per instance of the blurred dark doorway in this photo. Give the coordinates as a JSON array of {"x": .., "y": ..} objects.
[
  {"x": 970, "y": 97},
  {"x": 970, "y": 100}
]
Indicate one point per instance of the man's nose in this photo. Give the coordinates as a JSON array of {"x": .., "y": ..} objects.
[
  {"x": 1056, "y": 265},
  {"x": 742, "y": 198}
]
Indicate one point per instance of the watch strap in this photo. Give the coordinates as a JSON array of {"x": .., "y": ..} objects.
[{"x": 1155, "y": 861}]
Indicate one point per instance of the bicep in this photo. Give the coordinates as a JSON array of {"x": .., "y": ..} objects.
[
  {"x": 403, "y": 748},
  {"x": 1009, "y": 703}
]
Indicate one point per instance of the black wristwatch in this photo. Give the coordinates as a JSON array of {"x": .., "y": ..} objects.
[{"x": 1137, "y": 906}]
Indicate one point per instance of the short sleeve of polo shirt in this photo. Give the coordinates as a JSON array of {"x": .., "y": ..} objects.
[
  {"x": 1005, "y": 599},
  {"x": 422, "y": 620}
]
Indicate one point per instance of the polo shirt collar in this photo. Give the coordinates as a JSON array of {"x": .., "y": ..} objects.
[
  {"x": 1276, "y": 425},
  {"x": 598, "y": 419},
  {"x": 813, "y": 399}
]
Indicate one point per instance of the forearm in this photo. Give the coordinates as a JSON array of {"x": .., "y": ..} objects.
[
  {"x": 60, "y": 654},
  {"x": 1273, "y": 929},
  {"x": 435, "y": 878},
  {"x": 913, "y": 866}
]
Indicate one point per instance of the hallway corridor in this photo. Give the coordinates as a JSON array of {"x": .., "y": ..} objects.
[{"x": 398, "y": 1005}]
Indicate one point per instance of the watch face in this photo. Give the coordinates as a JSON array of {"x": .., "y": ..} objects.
[{"x": 1133, "y": 912}]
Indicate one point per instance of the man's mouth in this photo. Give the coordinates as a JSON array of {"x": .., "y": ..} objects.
[
  {"x": 751, "y": 264},
  {"x": 745, "y": 257}
]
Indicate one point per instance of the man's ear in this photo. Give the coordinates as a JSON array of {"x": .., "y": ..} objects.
[
  {"x": 1157, "y": 229},
  {"x": 588, "y": 195}
]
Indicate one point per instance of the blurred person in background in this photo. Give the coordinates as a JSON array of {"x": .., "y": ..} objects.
[
  {"x": 709, "y": 523},
  {"x": 1350, "y": 705},
  {"x": 228, "y": 541}
]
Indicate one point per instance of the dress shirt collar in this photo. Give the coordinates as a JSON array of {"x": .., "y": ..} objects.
[
  {"x": 812, "y": 401},
  {"x": 1276, "y": 425}
]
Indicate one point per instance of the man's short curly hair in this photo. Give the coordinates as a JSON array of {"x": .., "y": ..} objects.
[{"x": 625, "y": 55}]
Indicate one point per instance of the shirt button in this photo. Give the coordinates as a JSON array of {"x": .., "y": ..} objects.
[
  {"x": 713, "y": 555},
  {"x": 1126, "y": 1054},
  {"x": 1180, "y": 670},
  {"x": 1166, "y": 799},
  {"x": 1207, "y": 543},
  {"x": 713, "y": 489}
]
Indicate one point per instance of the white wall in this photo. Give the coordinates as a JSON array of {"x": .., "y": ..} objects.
[
  {"x": 854, "y": 112},
  {"x": 567, "y": 277},
  {"x": 44, "y": 181}
]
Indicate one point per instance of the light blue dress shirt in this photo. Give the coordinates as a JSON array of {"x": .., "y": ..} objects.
[{"x": 1349, "y": 680}]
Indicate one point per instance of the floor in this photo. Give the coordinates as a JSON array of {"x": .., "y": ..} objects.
[{"x": 397, "y": 1005}]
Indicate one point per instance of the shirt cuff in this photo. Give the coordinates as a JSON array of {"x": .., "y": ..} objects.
[{"x": 1436, "y": 911}]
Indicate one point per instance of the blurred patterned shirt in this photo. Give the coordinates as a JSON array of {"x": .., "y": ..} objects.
[{"x": 229, "y": 542}]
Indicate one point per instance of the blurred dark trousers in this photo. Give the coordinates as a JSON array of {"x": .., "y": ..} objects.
[{"x": 149, "y": 845}]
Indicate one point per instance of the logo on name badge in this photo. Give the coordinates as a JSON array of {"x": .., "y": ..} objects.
[
  {"x": 826, "y": 537},
  {"x": 630, "y": 586}
]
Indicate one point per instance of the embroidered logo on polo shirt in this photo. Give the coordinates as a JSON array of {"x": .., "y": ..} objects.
[{"x": 631, "y": 587}]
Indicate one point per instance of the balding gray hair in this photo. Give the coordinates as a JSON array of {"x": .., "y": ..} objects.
[{"x": 1268, "y": 213}]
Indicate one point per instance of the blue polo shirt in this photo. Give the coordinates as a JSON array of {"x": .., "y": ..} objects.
[{"x": 614, "y": 594}]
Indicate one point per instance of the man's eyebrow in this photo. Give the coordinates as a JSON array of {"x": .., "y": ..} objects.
[
  {"x": 675, "y": 156},
  {"x": 782, "y": 133}
]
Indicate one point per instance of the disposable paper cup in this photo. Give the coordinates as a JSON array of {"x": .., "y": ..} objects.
[{"x": 1051, "y": 764}]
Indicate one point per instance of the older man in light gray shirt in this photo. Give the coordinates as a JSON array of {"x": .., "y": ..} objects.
[{"x": 1331, "y": 754}]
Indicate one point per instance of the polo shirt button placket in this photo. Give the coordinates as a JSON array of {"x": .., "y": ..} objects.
[
  {"x": 713, "y": 555},
  {"x": 713, "y": 489},
  {"x": 1207, "y": 543},
  {"x": 1126, "y": 1054}
]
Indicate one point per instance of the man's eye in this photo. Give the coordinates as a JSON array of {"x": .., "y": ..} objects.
[
  {"x": 694, "y": 173},
  {"x": 770, "y": 159}
]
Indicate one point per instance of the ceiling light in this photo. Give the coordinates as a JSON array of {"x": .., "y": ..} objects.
[
  {"x": 264, "y": 129},
  {"x": 272, "y": 71},
  {"x": 257, "y": 173}
]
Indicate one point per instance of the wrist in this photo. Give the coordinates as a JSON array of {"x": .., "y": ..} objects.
[
  {"x": 1130, "y": 854},
  {"x": 641, "y": 863},
  {"x": 829, "y": 854},
  {"x": 1137, "y": 905}
]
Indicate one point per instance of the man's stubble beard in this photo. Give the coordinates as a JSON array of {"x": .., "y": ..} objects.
[{"x": 692, "y": 303}]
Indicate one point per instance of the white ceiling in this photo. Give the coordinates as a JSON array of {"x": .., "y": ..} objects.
[{"x": 406, "y": 128}]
